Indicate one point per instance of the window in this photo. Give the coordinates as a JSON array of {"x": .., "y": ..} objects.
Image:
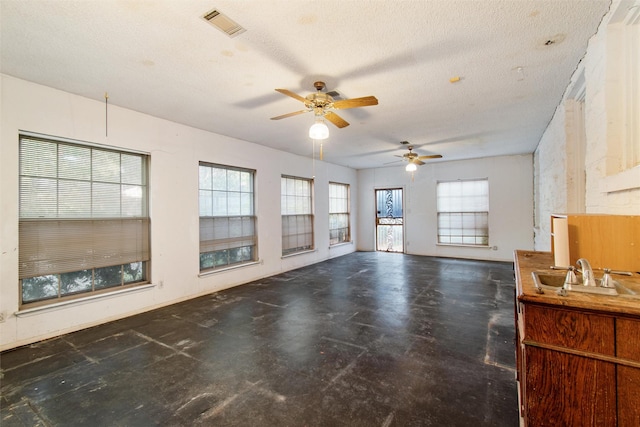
[
  {"x": 463, "y": 212},
  {"x": 227, "y": 216},
  {"x": 84, "y": 225},
  {"x": 297, "y": 214},
  {"x": 339, "y": 227}
]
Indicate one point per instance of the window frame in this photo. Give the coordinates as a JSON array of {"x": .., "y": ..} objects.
[
  {"x": 334, "y": 214},
  {"x": 297, "y": 213},
  {"x": 470, "y": 222},
  {"x": 60, "y": 258},
  {"x": 235, "y": 250}
]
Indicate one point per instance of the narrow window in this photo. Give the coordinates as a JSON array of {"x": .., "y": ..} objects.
[
  {"x": 339, "y": 206},
  {"x": 463, "y": 212},
  {"x": 227, "y": 216},
  {"x": 297, "y": 214},
  {"x": 83, "y": 221}
]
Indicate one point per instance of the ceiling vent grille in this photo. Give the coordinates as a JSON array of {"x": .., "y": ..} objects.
[{"x": 224, "y": 23}]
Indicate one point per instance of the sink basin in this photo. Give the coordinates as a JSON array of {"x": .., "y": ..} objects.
[{"x": 553, "y": 281}]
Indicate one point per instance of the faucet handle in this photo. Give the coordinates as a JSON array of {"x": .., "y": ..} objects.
[
  {"x": 570, "y": 279},
  {"x": 607, "y": 281}
]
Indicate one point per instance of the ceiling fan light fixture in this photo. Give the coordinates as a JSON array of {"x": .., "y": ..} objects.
[
  {"x": 319, "y": 130},
  {"x": 411, "y": 167}
]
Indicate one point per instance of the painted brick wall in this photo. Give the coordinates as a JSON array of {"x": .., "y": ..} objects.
[
  {"x": 555, "y": 176},
  {"x": 550, "y": 180}
]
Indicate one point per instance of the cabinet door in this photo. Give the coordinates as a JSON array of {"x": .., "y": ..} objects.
[
  {"x": 565, "y": 385},
  {"x": 567, "y": 390},
  {"x": 628, "y": 347}
]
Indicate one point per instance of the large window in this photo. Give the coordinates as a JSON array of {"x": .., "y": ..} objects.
[
  {"x": 463, "y": 212},
  {"x": 84, "y": 225},
  {"x": 227, "y": 216},
  {"x": 297, "y": 214},
  {"x": 339, "y": 227}
]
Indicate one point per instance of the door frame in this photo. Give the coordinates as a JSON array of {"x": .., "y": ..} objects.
[{"x": 403, "y": 225}]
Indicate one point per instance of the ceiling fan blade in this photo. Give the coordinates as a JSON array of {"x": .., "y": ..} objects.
[
  {"x": 284, "y": 116},
  {"x": 432, "y": 156},
  {"x": 395, "y": 161},
  {"x": 336, "y": 119},
  {"x": 291, "y": 94},
  {"x": 355, "y": 102},
  {"x": 418, "y": 162}
]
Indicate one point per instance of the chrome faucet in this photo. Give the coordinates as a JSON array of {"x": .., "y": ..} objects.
[{"x": 587, "y": 273}]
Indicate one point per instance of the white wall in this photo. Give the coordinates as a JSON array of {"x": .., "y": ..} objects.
[
  {"x": 510, "y": 205},
  {"x": 609, "y": 188},
  {"x": 175, "y": 152}
]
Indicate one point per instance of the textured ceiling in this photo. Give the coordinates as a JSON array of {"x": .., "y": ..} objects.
[{"x": 514, "y": 59}]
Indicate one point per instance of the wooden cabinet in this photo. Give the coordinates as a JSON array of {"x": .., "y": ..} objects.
[
  {"x": 628, "y": 377},
  {"x": 563, "y": 384},
  {"x": 578, "y": 357}
]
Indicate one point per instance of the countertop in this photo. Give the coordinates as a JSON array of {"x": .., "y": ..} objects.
[{"x": 528, "y": 261}]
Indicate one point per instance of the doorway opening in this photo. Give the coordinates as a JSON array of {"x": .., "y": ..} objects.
[{"x": 389, "y": 220}]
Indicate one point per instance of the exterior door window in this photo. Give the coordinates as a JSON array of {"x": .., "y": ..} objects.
[{"x": 389, "y": 220}]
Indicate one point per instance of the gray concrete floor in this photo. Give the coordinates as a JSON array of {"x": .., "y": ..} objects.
[{"x": 367, "y": 339}]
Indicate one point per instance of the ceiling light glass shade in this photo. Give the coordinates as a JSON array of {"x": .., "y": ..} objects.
[
  {"x": 319, "y": 130},
  {"x": 411, "y": 167}
]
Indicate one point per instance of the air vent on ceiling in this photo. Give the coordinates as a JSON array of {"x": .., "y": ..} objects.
[{"x": 224, "y": 23}]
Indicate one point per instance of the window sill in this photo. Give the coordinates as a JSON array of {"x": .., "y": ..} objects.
[
  {"x": 231, "y": 267},
  {"x": 350, "y": 242},
  {"x": 298, "y": 253},
  {"x": 461, "y": 245},
  {"x": 77, "y": 301}
]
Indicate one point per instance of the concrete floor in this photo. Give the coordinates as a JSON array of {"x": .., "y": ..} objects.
[{"x": 367, "y": 339}]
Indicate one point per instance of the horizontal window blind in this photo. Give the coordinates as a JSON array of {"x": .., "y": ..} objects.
[
  {"x": 226, "y": 233},
  {"x": 297, "y": 233},
  {"x": 61, "y": 180},
  {"x": 59, "y": 246}
]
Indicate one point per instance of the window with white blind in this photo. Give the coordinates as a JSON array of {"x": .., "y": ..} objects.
[
  {"x": 297, "y": 214},
  {"x": 84, "y": 224},
  {"x": 463, "y": 212},
  {"x": 227, "y": 216},
  {"x": 339, "y": 207}
]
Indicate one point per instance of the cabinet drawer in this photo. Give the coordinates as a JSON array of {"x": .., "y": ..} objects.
[{"x": 569, "y": 328}]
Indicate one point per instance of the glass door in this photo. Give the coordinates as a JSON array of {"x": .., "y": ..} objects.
[{"x": 389, "y": 220}]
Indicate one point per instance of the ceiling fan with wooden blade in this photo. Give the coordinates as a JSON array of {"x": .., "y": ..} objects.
[
  {"x": 322, "y": 104},
  {"x": 416, "y": 159}
]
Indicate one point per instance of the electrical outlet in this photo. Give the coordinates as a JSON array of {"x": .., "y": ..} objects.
[
  {"x": 495, "y": 248},
  {"x": 3, "y": 316},
  {"x": 161, "y": 284}
]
